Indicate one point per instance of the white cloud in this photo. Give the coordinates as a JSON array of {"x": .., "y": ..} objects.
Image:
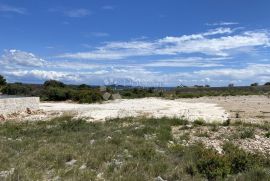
[
  {"x": 12, "y": 9},
  {"x": 42, "y": 75},
  {"x": 77, "y": 13},
  {"x": 218, "y": 31},
  {"x": 20, "y": 58},
  {"x": 72, "y": 13},
  {"x": 222, "y": 23},
  {"x": 187, "y": 62},
  {"x": 187, "y": 44},
  {"x": 251, "y": 72},
  {"x": 134, "y": 74}
]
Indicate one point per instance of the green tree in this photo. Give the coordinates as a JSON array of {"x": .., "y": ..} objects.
[
  {"x": 254, "y": 84},
  {"x": 2, "y": 81}
]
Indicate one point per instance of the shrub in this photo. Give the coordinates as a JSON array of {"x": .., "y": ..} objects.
[
  {"x": 212, "y": 165},
  {"x": 247, "y": 133},
  {"x": 57, "y": 94},
  {"x": 53, "y": 83},
  {"x": 199, "y": 122},
  {"x": 254, "y": 84},
  {"x": 191, "y": 169},
  {"x": 240, "y": 160},
  {"x": 17, "y": 89},
  {"x": 87, "y": 96},
  {"x": 267, "y": 135}
]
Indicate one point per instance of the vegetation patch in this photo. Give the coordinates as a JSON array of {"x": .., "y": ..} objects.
[{"x": 129, "y": 149}]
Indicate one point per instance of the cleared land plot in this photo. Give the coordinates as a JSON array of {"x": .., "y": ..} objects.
[
  {"x": 146, "y": 107},
  {"x": 254, "y": 109}
]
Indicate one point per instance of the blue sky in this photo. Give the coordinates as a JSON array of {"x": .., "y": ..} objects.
[{"x": 149, "y": 43}]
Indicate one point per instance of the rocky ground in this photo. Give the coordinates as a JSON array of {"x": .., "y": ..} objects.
[{"x": 248, "y": 137}]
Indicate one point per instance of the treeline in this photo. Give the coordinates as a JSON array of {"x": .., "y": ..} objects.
[
  {"x": 53, "y": 90},
  {"x": 195, "y": 92}
]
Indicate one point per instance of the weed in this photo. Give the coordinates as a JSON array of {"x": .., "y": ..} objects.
[
  {"x": 247, "y": 133},
  {"x": 199, "y": 122},
  {"x": 267, "y": 135}
]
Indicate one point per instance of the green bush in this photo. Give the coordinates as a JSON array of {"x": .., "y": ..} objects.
[
  {"x": 17, "y": 89},
  {"x": 267, "y": 135},
  {"x": 240, "y": 160},
  {"x": 87, "y": 96},
  {"x": 53, "y": 83},
  {"x": 212, "y": 164},
  {"x": 199, "y": 122},
  {"x": 57, "y": 94},
  {"x": 247, "y": 133}
]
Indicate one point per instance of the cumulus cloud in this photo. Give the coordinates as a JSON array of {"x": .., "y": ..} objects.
[
  {"x": 21, "y": 58},
  {"x": 211, "y": 71},
  {"x": 203, "y": 43},
  {"x": 213, "y": 57}
]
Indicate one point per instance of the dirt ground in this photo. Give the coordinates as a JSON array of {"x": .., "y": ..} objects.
[
  {"x": 254, "y": 109},
  {"x": 146, "y": 107}
]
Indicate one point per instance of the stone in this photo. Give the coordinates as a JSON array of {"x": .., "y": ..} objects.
[
  {"x": 106, "y": 96},
  {"x": 116, "y": 96},
  {"x": 83, "y": 167},
  {"x": 159, "y": 178},
  {"x": 28, "y": 111},
  {"x": 92, "y": 142},
  {"x": 71, "y": 162}
]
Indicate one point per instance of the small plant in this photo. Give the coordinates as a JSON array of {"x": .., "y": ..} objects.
[
  {"x": 199, "y": 122},
  {"x": 267, "y": 135},
  {"x": 214, "y": 127},
  {"x": 247, "y": 133},
  {"x": 227, "y": 122},
  {"x": 191, "y": 169}
]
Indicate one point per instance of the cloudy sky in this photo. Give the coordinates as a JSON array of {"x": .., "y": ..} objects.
[{"x": 150, "y": 43}]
